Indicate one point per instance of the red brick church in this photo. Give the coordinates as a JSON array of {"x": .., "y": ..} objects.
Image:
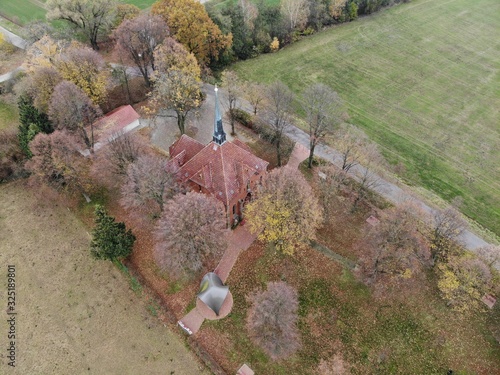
[{"x": 227, "y": 170}]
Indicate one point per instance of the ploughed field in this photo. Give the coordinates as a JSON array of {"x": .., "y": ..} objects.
[{"x": 421, "y": 79}]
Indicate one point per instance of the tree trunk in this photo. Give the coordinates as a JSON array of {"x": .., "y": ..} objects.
[
  {"x": 93, "y": 42},
  {"x": 231, "y": 119},
  {"x": 278, "y": 150},
  {"x": 181, "y": 119},
  {"x": 311, "y": 154}
]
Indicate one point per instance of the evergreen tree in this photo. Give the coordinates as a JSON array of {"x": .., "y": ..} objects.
[
  {"x": 111, "y": 240},
  {"x": 32, "y": 122}
]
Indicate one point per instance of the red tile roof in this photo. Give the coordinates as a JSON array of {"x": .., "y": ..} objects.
[
  {"x": 186, "y": 145},
  {"x": 223, "y": 170},
  {"x": 115, "y": 121}
]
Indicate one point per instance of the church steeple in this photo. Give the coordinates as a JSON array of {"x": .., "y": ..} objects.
[{"x": 219, "y": 136}]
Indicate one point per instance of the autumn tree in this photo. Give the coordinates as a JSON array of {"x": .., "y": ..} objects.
[
  {"x": 150, "y": 182},
  {"x": 57, "y": 162},
  {"x": 366, "y": 180},
  {"x": 190, "y": 235},
  {"x": 176, "y": 82},
  {"x": 110, "y": 240},
  {"x": 272, "y": 320},
  {"x": 86, "y": 69},
  {"x": 396, "y": 246},
  {"x": 279, "y": 100},
  {"x": 463, "y": 280},
  {"x": 36, "y": 30},
  {"x": 255, "y": 94},
  {"x": 44, "y": 52},
  {"x": 120, "y": 152},
  {"x": 324, "y": 110},
  {"x": 232, "y": 85},
  {"x": 92, "y": 17},
  {"x": 296, "y": 13},
  {"x": 285, "y": 213},
  {"x": 448, "y": 225},
  {"x": 191, "y": 26},
  {"x": 355, "y": 148},
  {"x": 71, "y": 109},
  {"x": 490, "y": 254},
  {"x": 137, "y": 39},
  {"x": 125, "y": 12},
  {"x": 40, "y": 84}
]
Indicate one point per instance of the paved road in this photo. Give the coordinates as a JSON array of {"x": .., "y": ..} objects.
[
  {"x": 390, "y": 191},
  {"x": 13, "y": 38}
]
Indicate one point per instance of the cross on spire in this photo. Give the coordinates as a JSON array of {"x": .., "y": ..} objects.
[{"x": 219, "y": 136}]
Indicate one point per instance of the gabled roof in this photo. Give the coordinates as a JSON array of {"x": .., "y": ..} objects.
[
  {"x": 186, "y": 146},
  {"x": 221, "y": 169},
  {"x": 115, "y": 121}
]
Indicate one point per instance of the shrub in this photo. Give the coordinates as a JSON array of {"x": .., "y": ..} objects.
[
  {"x": 11, "y": 156},
  {"x": 243, "y": 117}
]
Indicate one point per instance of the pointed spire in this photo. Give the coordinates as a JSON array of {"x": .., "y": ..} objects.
[{"x": 219, "y": 136}]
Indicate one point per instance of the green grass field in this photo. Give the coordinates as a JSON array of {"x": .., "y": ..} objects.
[
  {"x": 8, "y": 116},
  {"x": 422, "y": 80},
  {"x": 23, "y": 11}
]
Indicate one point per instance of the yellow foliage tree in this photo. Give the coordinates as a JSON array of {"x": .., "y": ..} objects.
[
  {"x": 463, "y": 280},
  {"x": 44, "y": 53},
  {"x": 191, "y": 26},
  {"x": 86, "y": 69},
  {"x": 176, "y": 81},
  {"x": 286, "y": 213},
  {"x": 275, "y": 45}
]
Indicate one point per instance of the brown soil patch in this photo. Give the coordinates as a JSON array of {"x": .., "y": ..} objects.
[{"x": 76, "y": 315}]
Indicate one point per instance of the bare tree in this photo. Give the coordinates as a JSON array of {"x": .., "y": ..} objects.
[
  {"x": 490, "y": 254},
  {"x": 249, "y": 11},
  {"x": 279, "y": 107},
  {"x": 255, "y": 94},
  {"x": 137, "y": 38},
  {"x": 150, "y": 182},
  {"x": 448, "y": 226},
  {"x": 286, "y": 212},
  {"x": 57, "y": 162},
  {"x": 233, "y": 88},
  {"x": 71, "y": 109},
  {"x": 111, "y": 162},
  {"x": 92, "y": 17},
  {"x": 295, "y": 12},
  {"x": 396, "y": 245},
  {"x": 324, "y": 110},
  {"x": 272, "y": 320},
  {"x": 367, "y": 180},
  {"x": 190, "y": 235},
  {"x": 354, "y": 147}
]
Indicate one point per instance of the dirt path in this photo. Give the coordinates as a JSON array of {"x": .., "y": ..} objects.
[{"x": 75, "y": 315}]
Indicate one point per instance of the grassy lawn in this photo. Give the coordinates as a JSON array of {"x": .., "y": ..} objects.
[
  {"x": 8, "y": 115},
  {"x": 22, "y": 11},
  {"x": 142, "y": 4},
  {"x": 75, "y": 315},
  {"x": 397, "y": 330},
  {"x": 421, "y": 79}
]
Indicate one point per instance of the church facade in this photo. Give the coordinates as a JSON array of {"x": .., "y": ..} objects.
[{"x": 227, "y": 170}]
